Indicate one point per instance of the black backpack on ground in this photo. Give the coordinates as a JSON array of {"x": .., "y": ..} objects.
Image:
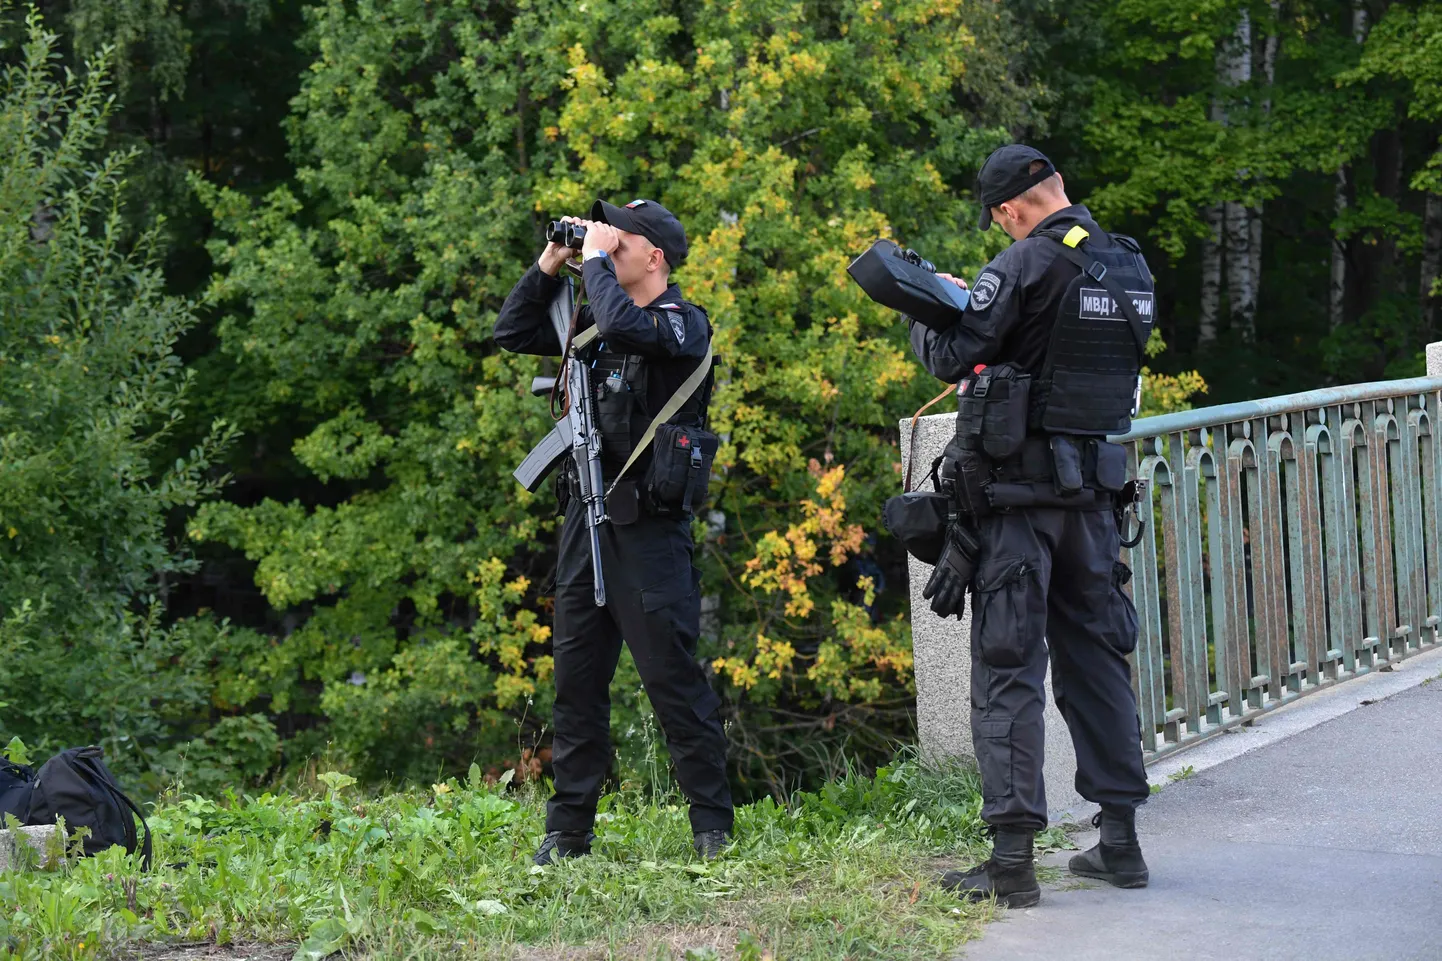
[
  {"x": 17, "y": 782},
  {"x": 77, "y": 786}
]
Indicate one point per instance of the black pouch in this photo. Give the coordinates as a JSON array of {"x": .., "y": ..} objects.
[
  {"x": 1066, "y": 466},
  {"x": 918, "y": 520},
  {"x": 1004, "y": 422},
  {"x": 1111, "y": 465},
  {"x": 623, "y": 504},
  {"x": 680, "y": 472},
  {"x": 969, "y": 474},
  {"x": 992, "y": 407}
]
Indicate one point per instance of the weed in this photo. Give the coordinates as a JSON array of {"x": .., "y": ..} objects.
[{"x": 445, "y": 872}]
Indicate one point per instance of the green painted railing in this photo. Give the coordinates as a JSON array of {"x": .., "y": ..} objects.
[{"x": 1293, "y": 544}]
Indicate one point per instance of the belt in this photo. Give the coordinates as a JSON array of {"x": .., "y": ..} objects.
[{"x": 1036, "y": 464}]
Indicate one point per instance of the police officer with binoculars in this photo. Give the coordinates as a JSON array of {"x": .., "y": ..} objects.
[{"x": 645, "y": 348}]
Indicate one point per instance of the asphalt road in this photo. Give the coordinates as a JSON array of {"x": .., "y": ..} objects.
[{"x": 1326, "y": 845}]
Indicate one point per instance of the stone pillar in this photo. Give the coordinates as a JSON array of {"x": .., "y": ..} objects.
[
  {"x": 1434, "y": 360},
  {"x": 37, "y": 837},
  {"x": 942, "y": 651}
]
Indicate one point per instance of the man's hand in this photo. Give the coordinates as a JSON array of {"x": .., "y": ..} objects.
[
  {"x": 554, "y": 257},
  {"x": 600, "y": 237},
  {"x": 955, "y": 280}
]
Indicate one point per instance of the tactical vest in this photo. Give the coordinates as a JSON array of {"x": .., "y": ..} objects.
[
  {"x": 624, "y": 392},
  {"x": 1089, "y": 383}
]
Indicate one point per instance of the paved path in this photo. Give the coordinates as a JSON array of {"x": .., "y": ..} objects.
[{"x": 1325, "y": 845}]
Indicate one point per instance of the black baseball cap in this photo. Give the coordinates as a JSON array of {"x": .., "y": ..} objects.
[
  {"x": 650, "y": 220},
  {"x": 1007, "y": 174}
]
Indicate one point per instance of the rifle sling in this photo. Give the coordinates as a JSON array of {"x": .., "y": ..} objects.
[{"x": 667, "y": 411}]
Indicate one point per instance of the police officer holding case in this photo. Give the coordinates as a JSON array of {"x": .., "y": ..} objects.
[
  {"x": 649, "y": 342},
  {"x": 1047, "y": 356}
]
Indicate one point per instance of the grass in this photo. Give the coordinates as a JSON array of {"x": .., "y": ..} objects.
[{"x": 846, "y": 872}]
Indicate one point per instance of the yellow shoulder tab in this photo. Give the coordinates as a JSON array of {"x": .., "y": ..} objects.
[{"x": 1075, "y": 236}]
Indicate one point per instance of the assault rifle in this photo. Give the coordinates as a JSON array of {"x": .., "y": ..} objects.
[{"x": 576, "y": 432}]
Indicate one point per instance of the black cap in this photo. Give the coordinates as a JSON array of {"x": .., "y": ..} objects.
[
  {"x": 1006, "y": 174},
  {"x": 650, "y": 220}
]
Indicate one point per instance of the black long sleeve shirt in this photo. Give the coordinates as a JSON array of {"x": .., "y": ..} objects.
[
  {"x": 669, "y": 333},
  {"x": 1014, "y": 305}
]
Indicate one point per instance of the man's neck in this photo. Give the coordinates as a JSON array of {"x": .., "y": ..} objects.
[
  {"x": 1051, "y": 207},
  {"x": 647, "y": 289}
]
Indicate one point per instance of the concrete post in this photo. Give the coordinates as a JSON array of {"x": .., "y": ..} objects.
[
  {"x": 37, "y": 837},
  {"x": 942, "y": 652},
  {"x": 1434, "y": 360}
]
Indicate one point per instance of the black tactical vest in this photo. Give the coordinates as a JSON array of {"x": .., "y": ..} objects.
[
  {"x": 629, "y": 389},
  {"x": 1088, "y": 384}
]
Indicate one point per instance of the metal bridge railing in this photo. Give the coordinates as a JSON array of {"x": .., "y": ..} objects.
[{"x": 1294, "y": 543}]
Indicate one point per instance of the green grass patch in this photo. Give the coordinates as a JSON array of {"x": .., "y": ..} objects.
[{"x": 846, "y": 872}]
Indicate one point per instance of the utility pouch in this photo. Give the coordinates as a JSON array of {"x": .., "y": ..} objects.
[
  {"x": 992, "y": 407},
  {"x": 968, "y": 473},
  {"x": 918, "y": 520},
  {"x": 623, "y": 504},
  {"x": 680, "y": 471},
  {"x": 1111, "y": 465},
  {"x": 1066, "y": 466},
  {"x": 612, "y": 383}
]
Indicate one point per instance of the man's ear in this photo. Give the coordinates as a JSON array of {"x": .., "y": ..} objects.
[
  {"x": 1010, "y": 209},
  {"x": 657, "y": 260}
]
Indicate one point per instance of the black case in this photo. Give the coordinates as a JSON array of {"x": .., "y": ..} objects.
[{"x": 893, "y": 281}]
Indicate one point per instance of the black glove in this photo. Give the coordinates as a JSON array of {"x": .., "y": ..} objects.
[{"x": 952, "y": 576}]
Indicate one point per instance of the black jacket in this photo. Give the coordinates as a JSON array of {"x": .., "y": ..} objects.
[
  {"x": 1014, "y": 305},
  {"x": 669, "y": 333}
]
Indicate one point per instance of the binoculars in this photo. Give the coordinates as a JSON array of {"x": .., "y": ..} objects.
[
  {"x": 915, "y": 259},
  {"x": 567, "y": 235}
]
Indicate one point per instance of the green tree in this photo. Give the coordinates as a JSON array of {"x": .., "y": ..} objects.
[
  {"x": 91, "y": 391},
  {"x": 432, "y": 139},
  {"x": 1240, "y": 138}
]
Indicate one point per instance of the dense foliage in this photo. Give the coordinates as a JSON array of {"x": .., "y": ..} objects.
[
  {"x": 91, "y": 395},
  {"x": 324, "y": 204}
]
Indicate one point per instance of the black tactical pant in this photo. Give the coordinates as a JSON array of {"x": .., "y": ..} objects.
[
  {"x": 653, "y": 601},
  {"x": 1048, "y": 584}
]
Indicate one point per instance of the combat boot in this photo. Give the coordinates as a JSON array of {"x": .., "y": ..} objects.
[
  {"x": 563, "y": 844},
  {"x": 710, "y": 844},
  {"x": 1009, "y": 874},
  {"x": 1117, "y": 858}
]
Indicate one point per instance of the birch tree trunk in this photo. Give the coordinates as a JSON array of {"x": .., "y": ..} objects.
[
  {"x": 1237, "y": 217},
  {"x": 1337, "y": 294},
  {"x": 1268, "y": 67},
  {"x": 1211, "y": 277},
  {"x": 1337, "y": 301}
]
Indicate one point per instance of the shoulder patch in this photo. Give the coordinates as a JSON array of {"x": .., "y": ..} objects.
[
  {"x": 984, "y": 291},
  {"x": 678, "y": 326}
]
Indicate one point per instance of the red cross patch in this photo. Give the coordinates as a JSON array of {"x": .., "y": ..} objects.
[{"x": 683, "y": 441}]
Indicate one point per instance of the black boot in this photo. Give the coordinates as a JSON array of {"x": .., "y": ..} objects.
[
  {"x": 1117, "y": 859},
  {"x": 710, "y": 844},
  {"x": 563, "y": 844},
  {"x": 1009, "y": 874}
]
